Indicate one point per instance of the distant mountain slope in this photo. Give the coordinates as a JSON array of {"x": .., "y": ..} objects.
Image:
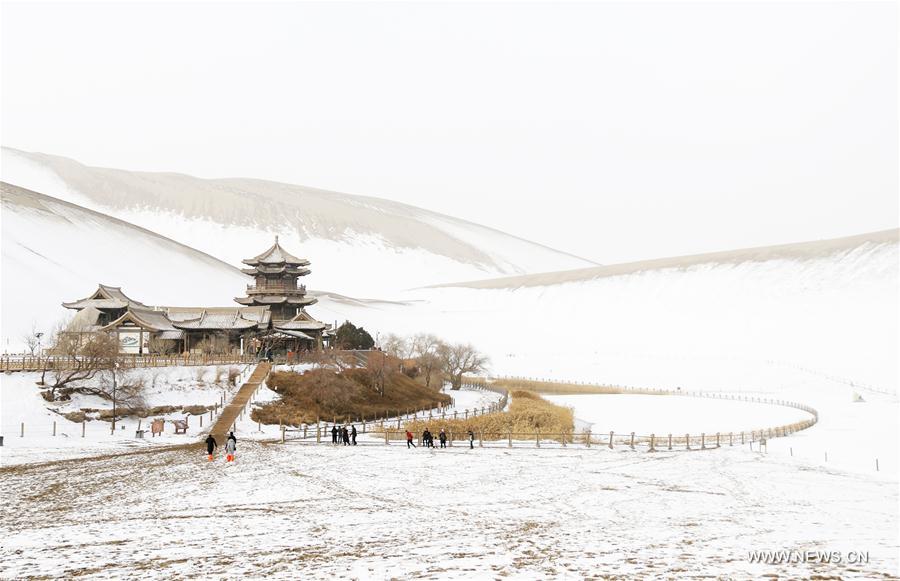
[
  {"x": 54, "y": 251},
  {"x": 801, "y": 251},
  {"x": 358, "y": 245}
]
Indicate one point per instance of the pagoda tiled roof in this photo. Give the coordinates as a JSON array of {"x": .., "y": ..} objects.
[
  {"x": 105, "y": 297},
  {"x": 276, "y": 255},
  {"x": 276, "y": 300},
  {"x": 302, "y": 321},
  {"x": 282, "y": 269}
]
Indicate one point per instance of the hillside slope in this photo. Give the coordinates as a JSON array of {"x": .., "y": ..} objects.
[
  {"x": 359, "y": 245},
  {"x": 739, "y": 318},
  {"x": 55, "y": 251}
]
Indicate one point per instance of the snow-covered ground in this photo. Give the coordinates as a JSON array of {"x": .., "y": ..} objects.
[
  {"x": 376, "y": 512},
  {"x": 20, "y": 402}
]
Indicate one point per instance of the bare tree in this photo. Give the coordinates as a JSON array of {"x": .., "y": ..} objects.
[
  {"x": 159, "y": 346},
  {"x": 86, "y": 355},
  {"x": 395, "y": 345},
  {"x": 458, "y": 359},
  {"x": 123, "y": 387},
  {"x": 426, "y": 348},
  {"x": 32, "y": 339}
]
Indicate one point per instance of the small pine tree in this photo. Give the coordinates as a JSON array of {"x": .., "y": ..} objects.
[{"x": 349, "y": 336}]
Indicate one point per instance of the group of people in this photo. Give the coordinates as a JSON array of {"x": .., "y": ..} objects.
[
  {"x": 428, "y": 439},
  {"x": 230, "y": 447},
  {"x": 342, "y": 435}
]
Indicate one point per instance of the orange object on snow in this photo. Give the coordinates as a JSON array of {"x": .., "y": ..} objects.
[
  {"x": 210, "y": 457},
  {"x": 229, "y": 458}
]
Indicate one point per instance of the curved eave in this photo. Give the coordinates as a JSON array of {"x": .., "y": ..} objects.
[
  {"x": 130, "y": 316},
  {"x": 287, "y": 269},
  {"x": 245, "y": 327},
  {"x": 261, "y": 300}
]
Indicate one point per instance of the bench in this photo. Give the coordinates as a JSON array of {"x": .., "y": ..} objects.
[{"x": 181, "y": 426}]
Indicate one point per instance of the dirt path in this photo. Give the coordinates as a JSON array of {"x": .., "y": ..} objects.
[{"x": 233, "y": 409}]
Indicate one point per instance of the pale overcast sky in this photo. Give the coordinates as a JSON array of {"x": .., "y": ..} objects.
[{"x": 615, "y": 131}]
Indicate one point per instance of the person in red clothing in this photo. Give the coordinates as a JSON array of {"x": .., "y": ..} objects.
[{"x": 409, "y": 440}]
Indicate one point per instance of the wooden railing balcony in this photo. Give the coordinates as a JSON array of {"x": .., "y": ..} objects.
[{"x": 280, "y": 289}]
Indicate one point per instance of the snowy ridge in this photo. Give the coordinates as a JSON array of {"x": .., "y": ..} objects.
[
  {"x": 349, "y": 238},
  {"x": 857, "y": 247}
]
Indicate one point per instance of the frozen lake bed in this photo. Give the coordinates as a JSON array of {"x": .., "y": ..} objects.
[{"x": 664, "y": 414}]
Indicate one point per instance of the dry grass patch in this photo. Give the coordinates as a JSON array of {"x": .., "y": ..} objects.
[
  {"x": 563, "y": 388},
  {"x": 528, "y": 413},
  {"x": 350, "y": 394}
]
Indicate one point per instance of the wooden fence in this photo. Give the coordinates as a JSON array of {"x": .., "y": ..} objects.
[
  {"x": 9, "y": 363},
  {"x": 391, "y": 429}
]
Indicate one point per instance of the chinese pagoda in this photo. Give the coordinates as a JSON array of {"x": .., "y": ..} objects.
[
  {"x": 275, "y": 273},
  {"x": 272, "y": 318}
]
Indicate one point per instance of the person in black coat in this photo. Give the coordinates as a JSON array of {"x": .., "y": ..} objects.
[
  {"x": 210, "y": 445},
  {"x": 334, "y": 433},
  {"x": 346, "y": 434},
  {"x": 353, "y": 434},
  {"x": 443, "y": 438}
]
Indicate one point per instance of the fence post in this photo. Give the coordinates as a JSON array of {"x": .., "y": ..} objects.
[
  {"x": 652, "y": 442},
  {"x": 537, "y": 439},
  {"x": 22, "y": 430},
  {"x": 588, "y": 442},
  {"x": 610, "y": 440},
  {"x": 730, "y": 439},
  {"x": 201, "y": 422},
  {"x": 703, "y": 441},
  {"x": 282, "y": 434},
  {"x": 82, "y": 428},
  {"x": 386, "y": 438},
  {"x": 670, "y": 441},
  {"x": 742, "y": 437},
  {"x": 564, "y": 439},
  {"x": 687, "y": 439},
  {"x": 54, "y": 427},
  {"x": 480, "y": 439},
  {"x": 364, "y": 424},
  {"x": 509, "y": 440},
  {"x": 632, "y": 440},
  {"x": 717, "y": 440}
]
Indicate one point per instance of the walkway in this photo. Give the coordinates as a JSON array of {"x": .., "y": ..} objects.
[{"x": 231, "y": 411}]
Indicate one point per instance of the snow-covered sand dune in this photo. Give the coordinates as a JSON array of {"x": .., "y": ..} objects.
[
  {"x": 54, "y": 251},
  {"x": 359, "y": 245}
]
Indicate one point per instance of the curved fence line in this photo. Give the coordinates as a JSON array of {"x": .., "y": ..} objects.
[{"x": 662, "y": 440}]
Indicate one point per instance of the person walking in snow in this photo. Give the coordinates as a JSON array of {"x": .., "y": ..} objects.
[
  {"x": 210, "y": 446},
  {"x": 353, "y": 434},
  {"x": 443, "y": 438},
  {"x": 471, "y": 439},
  {"x": 345, "y": 433},
  {"x": 230, "y": 447},
  {"x": 409, "y": 440},
  {"x": 334, "y": 432}
]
